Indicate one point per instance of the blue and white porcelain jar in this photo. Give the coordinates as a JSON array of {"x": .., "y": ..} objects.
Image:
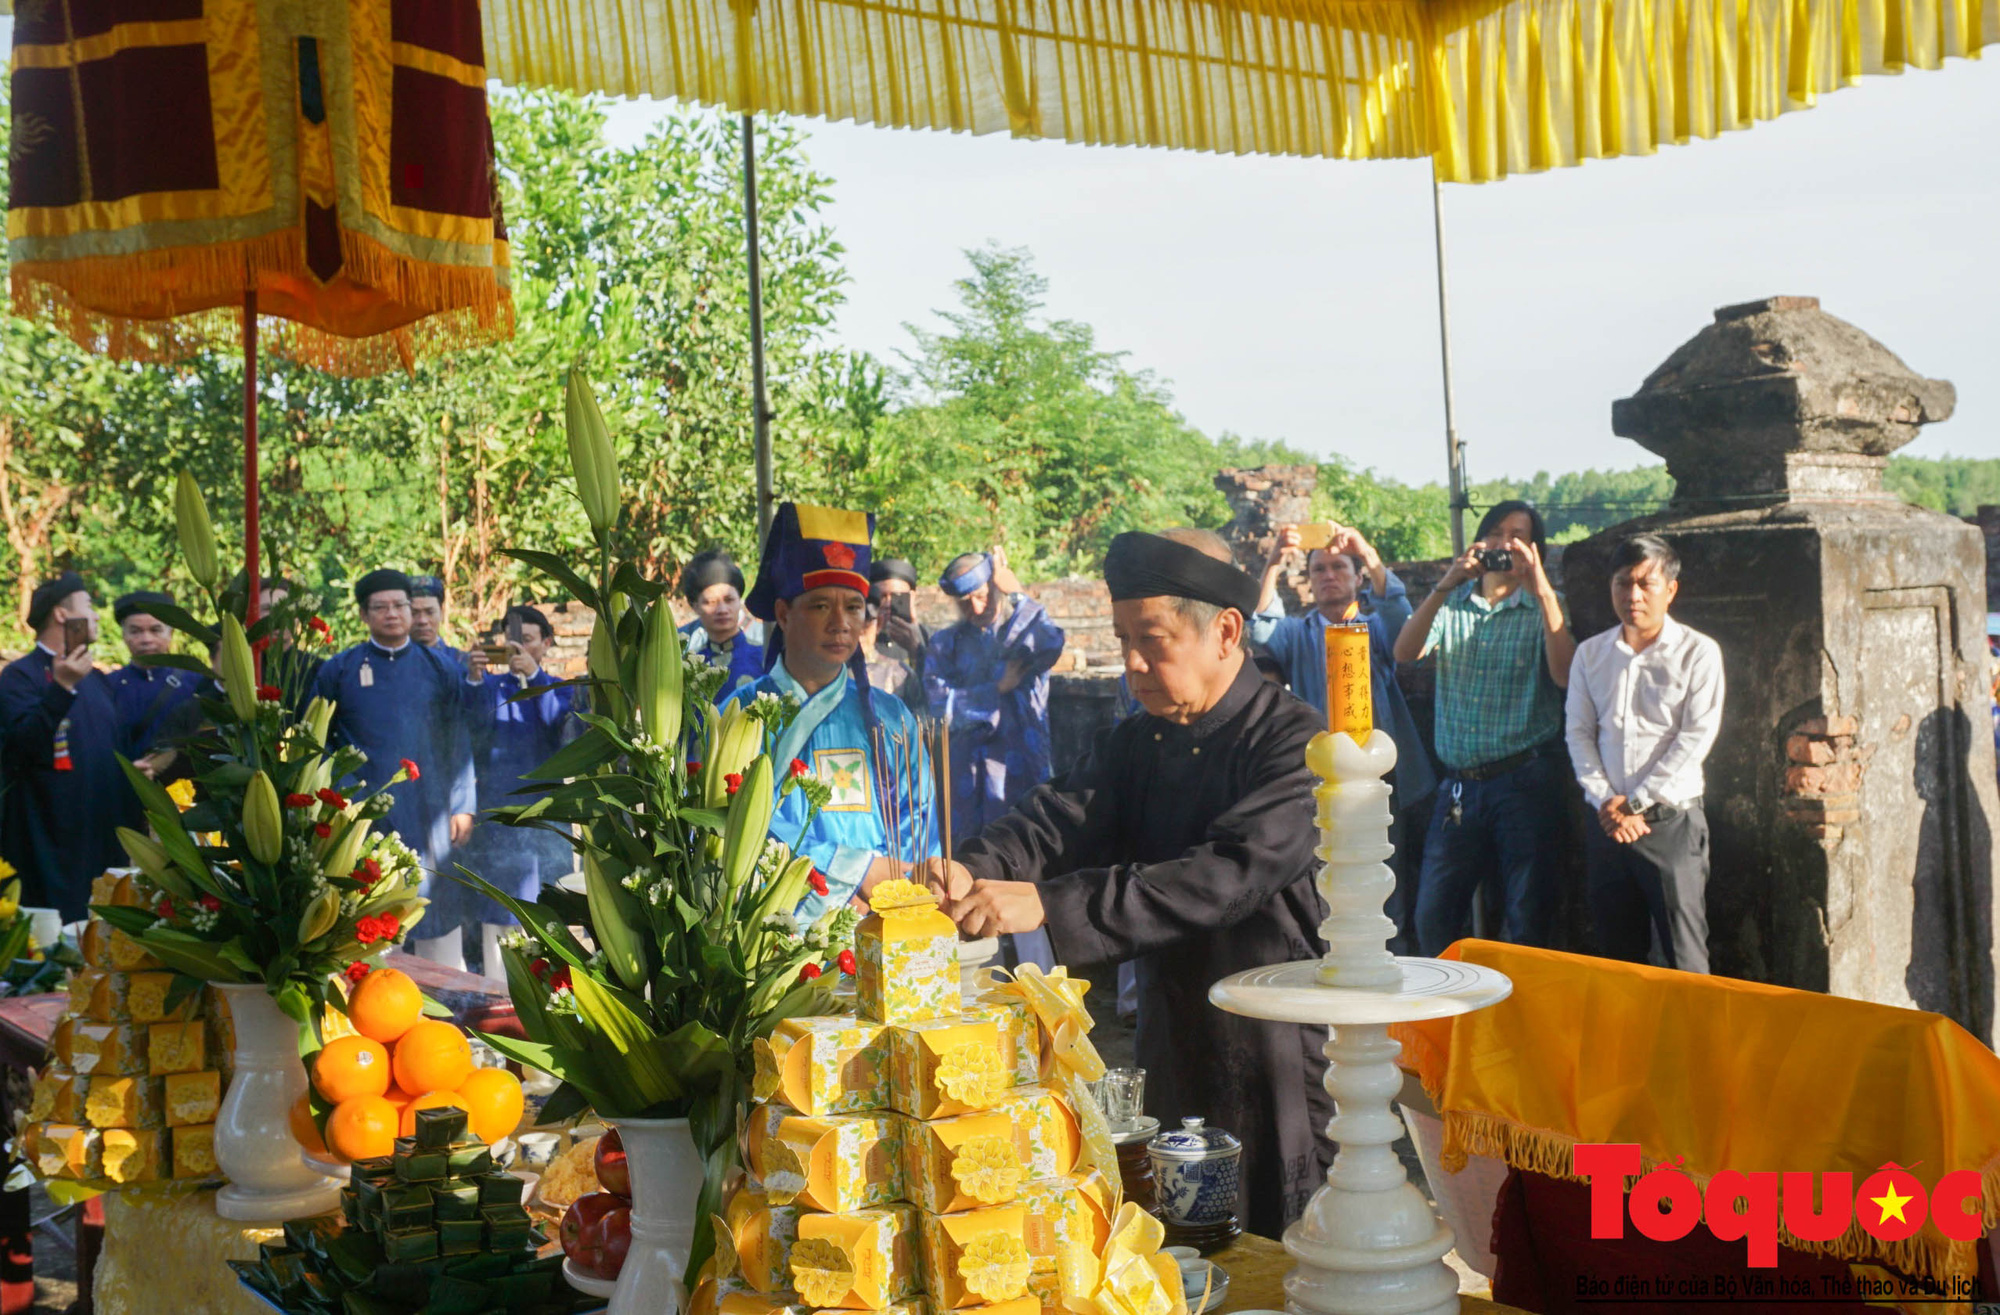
[{"x": 1196, "y": 1172}]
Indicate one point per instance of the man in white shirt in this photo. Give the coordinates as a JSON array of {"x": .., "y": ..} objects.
[{"x": 1644, "y": 705}]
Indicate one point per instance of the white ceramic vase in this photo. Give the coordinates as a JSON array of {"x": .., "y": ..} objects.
[
  {"x": 666, "y": 1190},
  {"x": 269, "y": 1180}
]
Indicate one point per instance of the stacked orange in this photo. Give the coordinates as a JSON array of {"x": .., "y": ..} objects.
[{"x": 396, "y": 1063}]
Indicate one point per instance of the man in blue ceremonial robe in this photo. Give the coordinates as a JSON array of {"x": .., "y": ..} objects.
[
  {"x": 398, "y": 701},
  {"x": 427, "y": 619},
  {"x": 812, "y": 585},
  {"x": 64, "y": 791},
  {"x": 145, "y": 695},
  {"x": 511, "y": 737},
  {"x": 712, "y": 583}
]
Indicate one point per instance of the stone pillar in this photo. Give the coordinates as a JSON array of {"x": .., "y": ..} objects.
[
  {"x": 1851, "y": 793},
  {"x": 1261, "y": 499}
]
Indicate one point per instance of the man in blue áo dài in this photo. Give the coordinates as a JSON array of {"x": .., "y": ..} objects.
[
  {"x": 427, "y": 619},
  {"x": 146, "y": 694},
  {"x": 511, "y": 737},
  {"x": 812, "y": 584},
  {"x": 64, "y": 793},
  {"x": 988, "y": 679},
  {"x": 397, "y": 702},
  {"x": 712, "y": 583}
]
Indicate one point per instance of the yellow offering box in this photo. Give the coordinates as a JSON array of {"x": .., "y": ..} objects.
[
  {"x": 961, "y": 1163},
  {"x": 132, "y": 1102},
  {"x": 194, "y": 1151},
  {"x": 1071, "y": 1213},
  {"x": 98, "y": 997},
  {"x": 753, "y": 1241},
  {"x": 825, "y": 1065},
  {"x": 1028, "y": 1305},
  {"x": 977, "y": 1257},
  {"x": 101, "y": 1049},
  {"x": 734, "y": 1297},
  {"x": 134, "y": 1155},
  {"x": 857, "y": 1260},
  {"x": 1045, "y": 1286},
  {"x": 104, "y": 946},
  {"x": 122, "y": 887},
  {"x": 1020, "y": 1033},
  {"x": 828, "y": 1161},
  {"x": 146, "y": 996},
  {"x": 946, "y": 1066},
  {"x": 65, "y": 1150},
  {"x": 192, "y": 1098},
  {"x": 176, "y": 1048},
  {"x": 908, "y": 957},
  {"x": 57, "y": 1097},
  {"x": 1046, "y": 1130}
]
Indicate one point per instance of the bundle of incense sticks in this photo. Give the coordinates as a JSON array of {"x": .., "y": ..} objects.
[{"x": 913, "y": 779}]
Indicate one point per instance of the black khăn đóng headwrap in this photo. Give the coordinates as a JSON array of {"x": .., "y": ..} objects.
[{"x": 1143, "y": 565}]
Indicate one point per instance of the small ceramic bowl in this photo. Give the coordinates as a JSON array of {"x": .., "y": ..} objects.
[{"x": 1181, "y": 1255}]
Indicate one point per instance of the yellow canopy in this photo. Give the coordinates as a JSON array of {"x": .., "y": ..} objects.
[{"x": 1486, "y": 87}]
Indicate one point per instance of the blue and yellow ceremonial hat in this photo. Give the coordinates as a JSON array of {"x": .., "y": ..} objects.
[{"x": 810, "y": 548}]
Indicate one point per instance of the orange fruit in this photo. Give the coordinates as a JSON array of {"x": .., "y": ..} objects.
[
  {"x": 492, "y": 1096},
  {"x": 385, "y": 1004},
  {"x": 362, "y": 1128},
  {"x": 407, "y": 1123},
  {"x": 432, "y": 1056},
  {"x": 351, "y": 1066},
  {"x": 303, "y": 1130}
]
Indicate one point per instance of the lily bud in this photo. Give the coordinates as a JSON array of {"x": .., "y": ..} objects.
[
  {"x": 239, "y": 671},
  {"x": 263, "y": 825},
  {"x": 320, "y": 916},
  {"x": 590, "y": 452},
  {"x": 660, "y": 677},
  {"x": 600, "y": 658},
  {"x": 196, "y": 534},
  {"x": 748, "y": 827}
]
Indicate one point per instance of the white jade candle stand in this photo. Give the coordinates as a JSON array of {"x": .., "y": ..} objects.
[{"x": 1368, "y": 1241}]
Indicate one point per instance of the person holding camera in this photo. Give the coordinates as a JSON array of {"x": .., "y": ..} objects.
[
  {"x": 1503, "y": 646},
  {"x": 1644, "y": 708},
  {"x": 59, "y": 744}
]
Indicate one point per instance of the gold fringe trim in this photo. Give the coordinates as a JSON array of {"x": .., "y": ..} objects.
[
  {"x": 197, "y": 293},
  {"x": 1929, "y": 1254}
]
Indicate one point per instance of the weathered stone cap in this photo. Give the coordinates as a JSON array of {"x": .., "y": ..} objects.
[{"x": 1772, "y": 378}]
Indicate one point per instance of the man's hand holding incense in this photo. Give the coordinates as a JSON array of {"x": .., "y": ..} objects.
[
  {"x": 879, "y": 871},
  {"x": 952, "y": 881},
  {"x": 993, "y": 908}
]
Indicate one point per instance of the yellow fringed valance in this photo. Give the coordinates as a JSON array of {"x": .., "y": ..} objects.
[
  {"x": 1724, "y": 1074},
  {"x": 1487, "y": 87}
]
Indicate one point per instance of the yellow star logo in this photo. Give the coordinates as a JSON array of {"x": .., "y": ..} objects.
[{"x": 1891, "y": 1204}]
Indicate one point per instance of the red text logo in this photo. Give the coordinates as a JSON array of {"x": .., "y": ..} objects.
[{"x": 1666, "y": 1204}]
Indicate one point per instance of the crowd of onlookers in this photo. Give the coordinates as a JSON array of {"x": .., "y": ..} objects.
[{"x": 1630, "y": 714}]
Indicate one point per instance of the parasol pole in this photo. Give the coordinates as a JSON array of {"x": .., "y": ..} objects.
[
  {"x": 251, "y": 575},
  {"x": 1454, "y": 451},
  {"x": 760, "y": 413}
]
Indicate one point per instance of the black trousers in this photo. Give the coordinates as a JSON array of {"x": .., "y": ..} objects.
[{"x": 1649, "y": 899}]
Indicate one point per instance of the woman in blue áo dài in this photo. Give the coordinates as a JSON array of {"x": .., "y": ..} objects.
[{"x": 812, "y": 585}]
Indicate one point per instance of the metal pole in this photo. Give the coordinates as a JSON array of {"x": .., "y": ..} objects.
[
  {"x": 761, "y": 413},
  {"x": 252, "y": 575},
  {"x": 1454, "y": 451}
]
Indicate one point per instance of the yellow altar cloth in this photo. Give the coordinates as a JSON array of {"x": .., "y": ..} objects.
[
  {"x": 1731, "y": 1075},
  {"x": 165, "y": 1251}
]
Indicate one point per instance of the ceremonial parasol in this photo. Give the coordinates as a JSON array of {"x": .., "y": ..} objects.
[
  {"x": 182, "y": 168},
  {"x": 1483, "y": 88}
]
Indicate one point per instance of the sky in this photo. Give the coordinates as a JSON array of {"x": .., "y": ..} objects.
[{"x": 1297, "y": 299}]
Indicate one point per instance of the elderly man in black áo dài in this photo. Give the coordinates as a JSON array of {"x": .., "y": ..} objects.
[{"x": 1184, "y": 841}]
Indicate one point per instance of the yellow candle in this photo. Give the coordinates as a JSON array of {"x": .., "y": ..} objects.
[{"x": 1350, "y": 701}]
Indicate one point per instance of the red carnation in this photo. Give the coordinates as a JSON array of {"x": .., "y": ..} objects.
[
  {"x": 332, "y": 798},
  {"x": 211, "y": 903},
  {"x": 560, "y": 981},
  {"x": 798, "y": 768},
  {"x": 693, "y": 768},
  {"x": 817, "y": 880},
  {"x": 165, "y": 908},
  {"x": 298, "y": 801},
  {"x": 734, "y": 781},
  {"x": 368, "y": 873},
  {"x": 258, "y": 646},
  {"x": 390, "y": 924},
  {"x": 810, "y": 971},
  {"x": 319, "y": 623},
  {"x": 846, "y": 962},
  {"x": 540, "y": 968},
  {"x": 270, "y": 693},
  {"x": 368, "y": 930},
  {"x": 356, "y": 971},
  {"x": 411, "y": 769},
  {"x": 322, "y": 830}
]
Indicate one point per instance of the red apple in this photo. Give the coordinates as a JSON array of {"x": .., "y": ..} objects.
[
  {"x": 582, "y": 1215},
  {"x": 602, "y": 1246},
  {"x": 613, "y": 1175}
]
